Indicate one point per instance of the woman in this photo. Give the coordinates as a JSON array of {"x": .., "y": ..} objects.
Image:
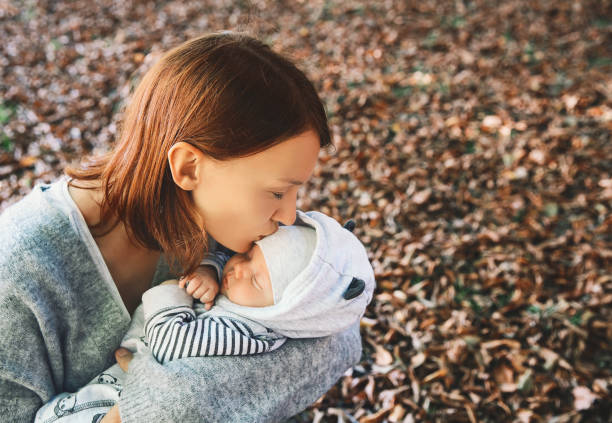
[{"x": 215, "y": 143}]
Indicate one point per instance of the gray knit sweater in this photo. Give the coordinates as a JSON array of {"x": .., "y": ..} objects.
[{"x": 61, "y": 318}]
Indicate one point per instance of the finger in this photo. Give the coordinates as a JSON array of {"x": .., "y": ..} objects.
[
  {"x": 182, "y": 282},
  {"x": 209, "y": 305},
  {"x": 123, "y": 358},
  {"x": 208, "y": 296},
  {"x": 192, "y": 286},
  {"x": 200, "y": 292}
]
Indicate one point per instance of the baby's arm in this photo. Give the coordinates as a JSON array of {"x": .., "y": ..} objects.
[
  {"x": 168, "y": 310},
  {"x": 172, "y": 330}
]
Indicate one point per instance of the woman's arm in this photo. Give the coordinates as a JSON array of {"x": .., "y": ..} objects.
[
  {"x": 30, "y": 387},
  {"x": 261, "y": 388},
  {"x": 17, "y": 403},
  {"x": 26, "y": 378}
]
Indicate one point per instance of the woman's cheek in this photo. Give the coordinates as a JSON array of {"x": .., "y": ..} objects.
[{"x": 263, "y": 209}]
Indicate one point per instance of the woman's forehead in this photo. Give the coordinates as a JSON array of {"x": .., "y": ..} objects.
[{"x": 303, "y": 148}]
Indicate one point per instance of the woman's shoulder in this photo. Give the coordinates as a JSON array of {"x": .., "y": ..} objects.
[{"x": 35, "y": 222}]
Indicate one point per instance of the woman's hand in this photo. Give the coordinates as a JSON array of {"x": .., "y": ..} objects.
[
  {"x": 112, "y": 416},
  {"x": 123, "y": 358}
]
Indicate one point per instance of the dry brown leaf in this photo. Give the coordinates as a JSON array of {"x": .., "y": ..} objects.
[
  {"x": 397, "y": 414},
  {"x": 510, "y": 343},
  {"x": 382, "y": 356},
  {"x": 418, "y": 359},
  {"x": 435, "y": 375},
  {"x": 28, "y": 161},
  {"x": 503, "y": 374},
  {"x": 376, "y": 417},
  {"x": 369, "y": 390},
  {"x": 583, "y": 398},
  {"x": 421, "y": 196}
]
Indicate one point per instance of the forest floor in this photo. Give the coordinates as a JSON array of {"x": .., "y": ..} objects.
[{"x": 472, "y": 147}]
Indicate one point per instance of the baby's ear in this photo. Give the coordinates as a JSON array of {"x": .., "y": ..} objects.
[{"x": 350, "y": 225}]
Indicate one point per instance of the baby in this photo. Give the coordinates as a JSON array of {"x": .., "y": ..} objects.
[
  {"x": 306, "y": 280},
  {"x": 311, "y": 279}
]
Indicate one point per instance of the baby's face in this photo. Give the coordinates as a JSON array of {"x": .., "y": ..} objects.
[{"x": 246, "y": 280}]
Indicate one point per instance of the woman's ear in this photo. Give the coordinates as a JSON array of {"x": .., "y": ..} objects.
[{"x": 185, "y": 160}]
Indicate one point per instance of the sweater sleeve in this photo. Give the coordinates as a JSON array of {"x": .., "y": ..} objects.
[
  {"x": 267, "y": 387},
  {"x": 59, "y": 322},
  {"x": 26, "y": 378},
  {"x": 30, "y": 384}
]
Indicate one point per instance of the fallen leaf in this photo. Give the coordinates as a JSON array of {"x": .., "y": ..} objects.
[
  {"x": 583, "y": 397},
  {"x": 382, "y": 356}
]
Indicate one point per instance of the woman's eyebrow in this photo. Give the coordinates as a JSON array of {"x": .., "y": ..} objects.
[{"x": 291, "y": 181}]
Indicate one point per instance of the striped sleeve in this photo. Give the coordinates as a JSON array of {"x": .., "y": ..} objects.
[
  {"x": 217, "y": 259},
  {"x": 177, "y": 333},
  {"x": 169, "y": 331}
]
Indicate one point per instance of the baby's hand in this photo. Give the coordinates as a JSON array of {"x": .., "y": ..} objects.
[{"x": 202, "y": 284}]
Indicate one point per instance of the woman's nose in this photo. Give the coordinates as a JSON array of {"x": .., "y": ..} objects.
[{"x": 286, "y": 213}]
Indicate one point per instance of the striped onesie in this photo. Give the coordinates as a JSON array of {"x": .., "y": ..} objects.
[
  {"x": 183, "y": 331},
  {"x": 176, "y": 327}
]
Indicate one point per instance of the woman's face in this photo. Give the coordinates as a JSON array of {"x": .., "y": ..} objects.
[{"x": 243, "y": 200}]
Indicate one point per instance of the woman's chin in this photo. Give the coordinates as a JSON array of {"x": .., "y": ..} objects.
[{"x": 243, "y": 247}]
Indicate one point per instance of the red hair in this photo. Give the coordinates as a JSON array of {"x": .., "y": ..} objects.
[{"x": 227, "y": 94}]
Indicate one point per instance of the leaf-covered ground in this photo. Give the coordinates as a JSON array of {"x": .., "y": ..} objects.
[{"x": 472, "y": 146}]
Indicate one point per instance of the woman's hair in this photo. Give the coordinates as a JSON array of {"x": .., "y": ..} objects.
[{"x": 227, "y": 94}]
